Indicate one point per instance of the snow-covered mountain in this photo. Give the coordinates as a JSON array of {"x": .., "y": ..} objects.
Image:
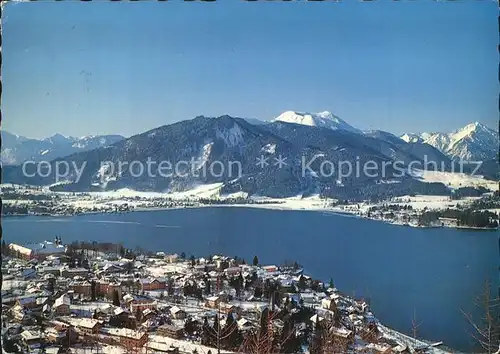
[
  {"x": 214, "y": 141},
  {"x": 474, "y": 142},
  {"x": 322, "y": 119},
  {"x": 16, "y": 149}
]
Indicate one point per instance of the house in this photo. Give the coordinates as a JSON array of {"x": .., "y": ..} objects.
[
  {"x": 343, "y": 336},
  {"x": 112, "y": 287},
  {"x": 232, "y": 271},
  {"x": 152, "y": 284},
  {"x": 27, "y": 302},
  {"x": 110, "y": 268},
  {"x": 329, "y": 304},
  {"x": 178, "y": 313},
  {"x": 449, "y": 222},
  {"x": 29, "y": 273},
  {"x": 19, "y": 314},
  {"x": 138, "y": 302},
  {"x": 81, "y": 287},
  {"x": 228, "y": 308},
  {"x": 73, "y": 272},
  {"x": 55, "y": 336},
  {"x": 56, "y": 271},
  {"x": 89, "y": 326},
  {"x": 147, "y": 314},
  {"x": 62, "y": 305},
  {"x": 172, "y": 258},
  {"x": 379, "y": 348},
  {"x": 171, "y": 331},
  {"x": 128, "y": 338},
  {"x": 213, "y": 301},
  {"x": 37, "y": 250},
  {"x": 31, "y": 339},
  {"x": 270, "y": 268},
  {"x": 244, "y": 324}
]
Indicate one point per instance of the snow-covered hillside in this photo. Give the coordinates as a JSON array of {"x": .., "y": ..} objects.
[
  {"x": 323, "y": 120},
  {"x": 474, "y": 142}
]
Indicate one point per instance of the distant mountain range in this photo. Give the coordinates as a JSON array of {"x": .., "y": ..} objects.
[
  {"x": 293, "y": 137},
  {"x": 16, "y": 149},
  {"x": 474, "y": 142}
]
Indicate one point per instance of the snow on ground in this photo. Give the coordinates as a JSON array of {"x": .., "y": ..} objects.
[
  {"x": 408, "y": 341},
  {"x": 8, "y": 285},
  {"x": 127, "y": 193},
  {"x": 163, "y": 343},
  {"x": 419, "y": 202},
  {"x": 160, "y": 271},
  {"x": 106, "y": 349},
  {"x": 201, "y": 191},
  {"x": 455, "y": 180}
]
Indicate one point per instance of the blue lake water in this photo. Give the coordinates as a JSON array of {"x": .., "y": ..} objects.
[{"x": 431, "y": 272}]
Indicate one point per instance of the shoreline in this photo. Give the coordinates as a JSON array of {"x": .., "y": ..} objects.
[{"x": 279, "y": 205}]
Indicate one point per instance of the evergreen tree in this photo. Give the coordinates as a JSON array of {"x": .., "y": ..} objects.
[
  {"x": 93, "y": 290},
  {"x": 230, "y": 334},
  {"x": 116, "y": 298},
  {"x": 289, "y": 343},
  {"x": 264, "y": 322},
  {"x": 331, "y": 285},
  {"x": 205, "y": 333},
  {"x": 170, "y": 287},
  {"x": 51, "y": 285},
  {"x": 316, "y": 341},
  {"x": 257, "y": 292},
  {"x": 255, "y": 261},
  {"x": 215, "y": 332},
  {"x": 302, "y": 283},
  {"x": 207, "y": 286}
]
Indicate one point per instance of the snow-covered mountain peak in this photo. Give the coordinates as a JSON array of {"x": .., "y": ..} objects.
[
  {"x": 58, "y": 139},
  {"x": 475, "y": 141},
  {"x": 411, "y": 138},
  {"x": 323, "y": 119}
]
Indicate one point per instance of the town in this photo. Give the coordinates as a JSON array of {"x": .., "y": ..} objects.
[{"x": 103, "y": 298}]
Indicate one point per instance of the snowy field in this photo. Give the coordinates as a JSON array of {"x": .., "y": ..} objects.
[
  {"x": 419, "y": 202},
  {"x": 137, "y": 200},
  {"x": 455, "y": 180}
]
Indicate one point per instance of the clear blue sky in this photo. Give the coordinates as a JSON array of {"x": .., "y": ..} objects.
[{"x": 94, "y": 68}]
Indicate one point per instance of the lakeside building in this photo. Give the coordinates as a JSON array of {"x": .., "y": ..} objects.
[{"x": 38, "y": 250}]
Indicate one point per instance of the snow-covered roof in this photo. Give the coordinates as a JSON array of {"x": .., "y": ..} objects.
[
  {"x": 30, "y": 335},
  {"x": 62, "y": 300},
  {"x": 125, "y": 332},
  {"x": 175, "y": 310},
  {"x": 88, "y": 323}
]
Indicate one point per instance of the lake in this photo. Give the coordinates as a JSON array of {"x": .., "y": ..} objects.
[{"x": 430, "y": 272}]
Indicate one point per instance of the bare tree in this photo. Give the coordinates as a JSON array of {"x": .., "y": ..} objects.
[
  {"x": 331, "y": 339},
  {"x": 415, "y": 325},
  {"x": 486, "y": 328},
  {"x": 265, "y": 339}
]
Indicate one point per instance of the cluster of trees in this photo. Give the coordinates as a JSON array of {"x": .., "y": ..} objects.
[
  {"x": 467, "y": 217},
  {"x": 232, "y": 201},
  {"x": 14, "y": 209},
  {"x": 468, "y": 192},
  {"x": 264, "y": 338},
  {"x": 227, "y": 337},
  {"x": 391, "y": 207},
  {"x": 11, "y": 195},
  {"x": 490, "y": 202}
]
